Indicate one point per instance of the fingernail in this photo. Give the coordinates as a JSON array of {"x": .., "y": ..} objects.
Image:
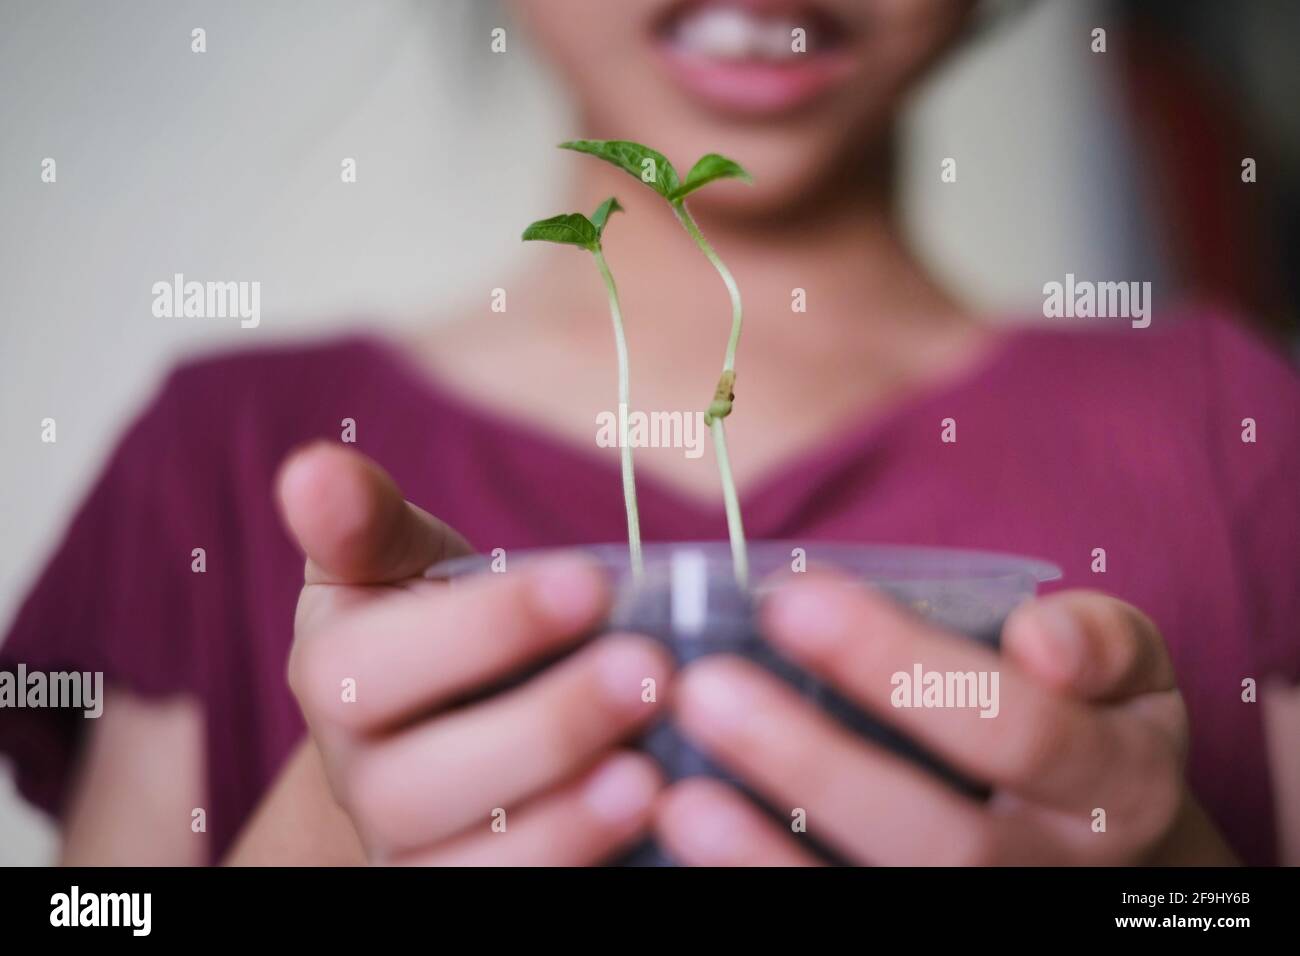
[
  {"x": 621, "y": 790},
  {"x": 626, "y": 663},
  {"x": 716, "y": 698},
  {"x": 1064, "y": 638},
  {"x": 804, "y": 616},
  {"x": 712, "y": 829},
  {"x": 568, "y": 589}
]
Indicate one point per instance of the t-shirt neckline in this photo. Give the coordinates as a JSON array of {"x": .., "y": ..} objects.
[{"x": 791, "y": 478}]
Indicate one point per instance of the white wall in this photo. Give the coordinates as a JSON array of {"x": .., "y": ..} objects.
[{"x": 226, "y": 165}]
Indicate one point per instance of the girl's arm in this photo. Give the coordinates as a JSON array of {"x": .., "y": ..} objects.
[
  {"x": 139, "y": 781},
  {"x": 298, "y": 822},
  {"x": 1282, "y": 724}
]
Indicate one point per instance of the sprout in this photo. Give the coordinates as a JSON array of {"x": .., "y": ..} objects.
[
  {"x": 654, "y": 170},
  {"x": 575, "y": 229}
]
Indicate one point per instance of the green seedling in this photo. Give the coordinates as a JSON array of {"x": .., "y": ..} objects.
[
  {"x": 575, "y": 229},
  {"x": 654, "y": 170}
]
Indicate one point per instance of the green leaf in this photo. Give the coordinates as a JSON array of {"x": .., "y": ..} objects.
[
  {"x": 572, "y": 228},
  {"x": 708, "y": 169},
  {"x": 633, "y": 158},
  {"x": 603, "y": 212}
]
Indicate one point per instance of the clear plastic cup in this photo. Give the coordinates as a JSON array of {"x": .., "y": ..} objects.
[{"x": 688, "y": 599}]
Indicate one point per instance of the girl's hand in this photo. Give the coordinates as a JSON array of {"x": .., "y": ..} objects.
[
  {"x": 1090, "y": 720},
  {"x": 383, "y": 662}
]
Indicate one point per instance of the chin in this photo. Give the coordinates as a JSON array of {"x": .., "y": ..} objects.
[
  {"x": 777, "y": 191},
  {"x": 790, "y": 168}
]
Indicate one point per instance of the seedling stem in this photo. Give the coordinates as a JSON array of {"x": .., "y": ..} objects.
[
  {"x": 575, "y": 229},
  {"x": 721, "y": 406},
  {"x": 624, "y": 393}
]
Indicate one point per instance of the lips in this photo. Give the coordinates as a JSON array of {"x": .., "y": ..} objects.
[{"x": 753, "y": 57}]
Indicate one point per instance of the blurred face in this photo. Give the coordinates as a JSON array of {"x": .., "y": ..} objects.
[{"x": 798, "y": 92}]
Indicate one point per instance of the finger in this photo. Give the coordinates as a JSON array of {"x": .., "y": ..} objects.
[
  {"x": 1090, "y": 645},
  {"x": 1006, "y": 729},
  {"x": 578, "y": 824},
  {"x": 703, "y": 822},
  {"x": 441, "y": 776},
  {"x": 869, "y": 805},
  {"x": 352, "y": 521},
  {"x": 416, "y": 651}
]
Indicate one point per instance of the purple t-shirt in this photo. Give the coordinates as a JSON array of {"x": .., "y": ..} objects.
[{"x": 1068, "y": 440}]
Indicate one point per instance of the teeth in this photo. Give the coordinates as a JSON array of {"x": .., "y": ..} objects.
[{"x": 731, "y": 33}]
